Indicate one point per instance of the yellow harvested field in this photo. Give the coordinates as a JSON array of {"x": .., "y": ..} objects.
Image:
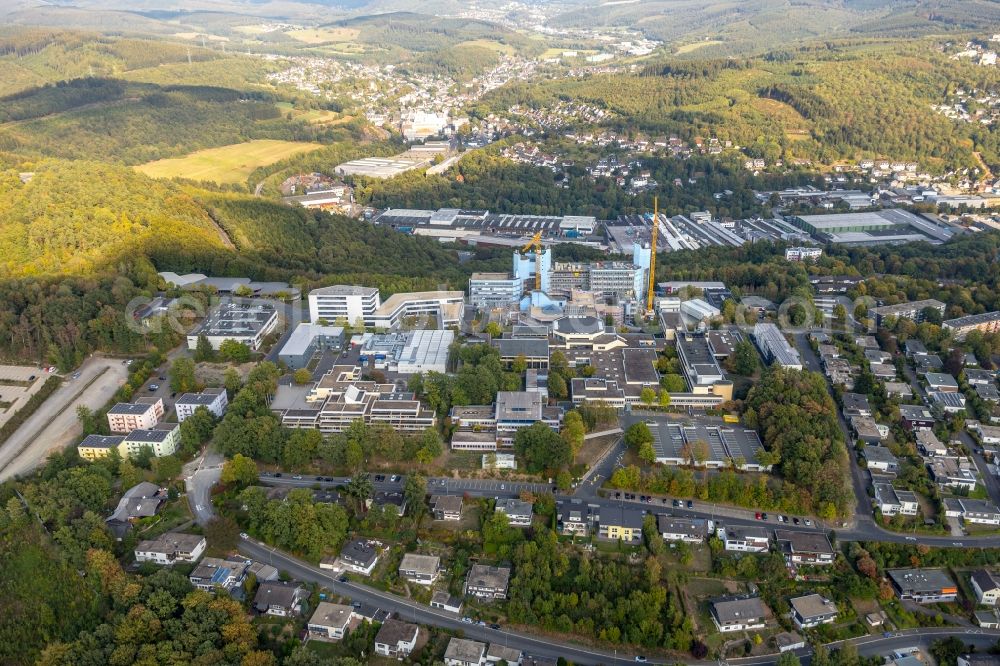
[
  {"x": 324, "y": 35},
  {"x": 688, "y": 48},
  {"x": 226, "y": 164}
]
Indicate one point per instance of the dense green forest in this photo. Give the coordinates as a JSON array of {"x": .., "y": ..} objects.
[
  {"x": 133, "y": 123},
  {"x": 483, "y": 180},
  {"x": 826, "y": 102}
]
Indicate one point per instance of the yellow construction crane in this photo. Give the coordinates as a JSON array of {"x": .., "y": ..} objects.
[
  {"x": 536, "y": 243},
  {"x": 652, "y": 259}
]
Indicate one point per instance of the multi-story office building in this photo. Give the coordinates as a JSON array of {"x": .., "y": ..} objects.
[
  {"x": 245, "y": 322},
  {"x": 520, "y": 409},
  {"x": 344, "y": 303},
  {"x": 446, "y": 306},
  {"x": 494, "y": 290},
  {"x": 619, "y": 279},
  {"x": 774, "y": 347}
]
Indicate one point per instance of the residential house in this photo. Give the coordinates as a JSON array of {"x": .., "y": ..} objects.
[
  {"x": 213, "y": 572},
  {"x": 486, "y": 582},
  {"x": 893, "y": 501},
  {"x": 952, "y": 473},
  {"x": 396, "y": 638},
  {"x": 517, "y": 511},
  {"x": 986, "y": 586},
  {"x": 898, "y": 390},
  {"x": 279, "y": 598},
  {"x": 421, "y": 569},
  {"x": 880, "y": 458},
  {"x": 746, "y": 539},
  {"x": 805, "y": 547},
  {"x": 575, "y": 518},
  {"x": 924, "y": 586},
  {"x": 620, "y": 523},
  {"x": 446, "y": 507},
  {"x": 738, "y": 613},
  {"x": 142, "y": 500},
  {"x": 916, "y": 417},
  {"x": 691, "y": 530},
  {"x": 359, "y": 556},
  {"x": 937, "y": 381},
  {"x": 463, "y": 652},
  {"x": 855, "y": 404},
  {"x": 929, "y": 445},
  {"x": 329, "y": 621},
  {"x": 946, "y": 402},
  {"x": 171, "y": 547},
  {"x": 980, "y": 512},
  {"x": 812, "y": 610}
]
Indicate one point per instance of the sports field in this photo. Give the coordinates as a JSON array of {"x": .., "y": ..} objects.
[{"x": 226, "y": 164}]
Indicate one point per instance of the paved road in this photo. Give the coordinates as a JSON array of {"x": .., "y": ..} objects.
[
  {"x": 54, "y": 425},
  {"x": 199, "y": 476}
]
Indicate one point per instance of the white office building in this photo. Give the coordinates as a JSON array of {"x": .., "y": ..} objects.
[
  {"x": 214, "y": 400},
  {"x": 341, "y": 302}
]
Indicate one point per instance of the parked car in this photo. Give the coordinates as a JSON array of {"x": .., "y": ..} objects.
[
  {"x": 808, "y": 522},
  {"x": 690, "y": 504},
  {"x": 757, "y": 516},
  {"x": 154, "y": 387}
]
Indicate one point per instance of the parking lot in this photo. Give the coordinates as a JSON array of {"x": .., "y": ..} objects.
[{"x": 17, "y": 384}]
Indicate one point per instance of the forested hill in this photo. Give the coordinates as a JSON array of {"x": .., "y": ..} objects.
[{"x": 824, "y": 103}]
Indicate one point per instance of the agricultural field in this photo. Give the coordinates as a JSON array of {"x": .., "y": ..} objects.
[
  {"x": 226, "y": 164},
  {"x": 694, "y": 46},
  {"x": 324, "y": 35}
]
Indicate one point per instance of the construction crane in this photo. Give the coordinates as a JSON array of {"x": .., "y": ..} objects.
[
  {"x": 536, "y": 243},
  {"x": 652, "y": 259}
]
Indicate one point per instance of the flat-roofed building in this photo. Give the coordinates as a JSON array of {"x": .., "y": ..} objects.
[
  {"x": 245, "y": 322},
  {"x": 330, "y": 621},
  {"x": 422, "y": 569},
  {"x": 495, "y": 290},
  {"x": 924, "y": 586},
  {"x": 308, "y": 339},
  {"x": 144, "y": 413},
  {"x": 214, "y": 400},
  {"x": 745, "y": 539},
  {"x": 521, "y": 409},
  {"x": 486, "y": 582},
  {"x": 533, "y": 351},
  {"x": 597, "y": 389},
  {"x": 446, "y": 306},
  {"x": 348, "y": 304},
  {"x": 470, "y": 439}
]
